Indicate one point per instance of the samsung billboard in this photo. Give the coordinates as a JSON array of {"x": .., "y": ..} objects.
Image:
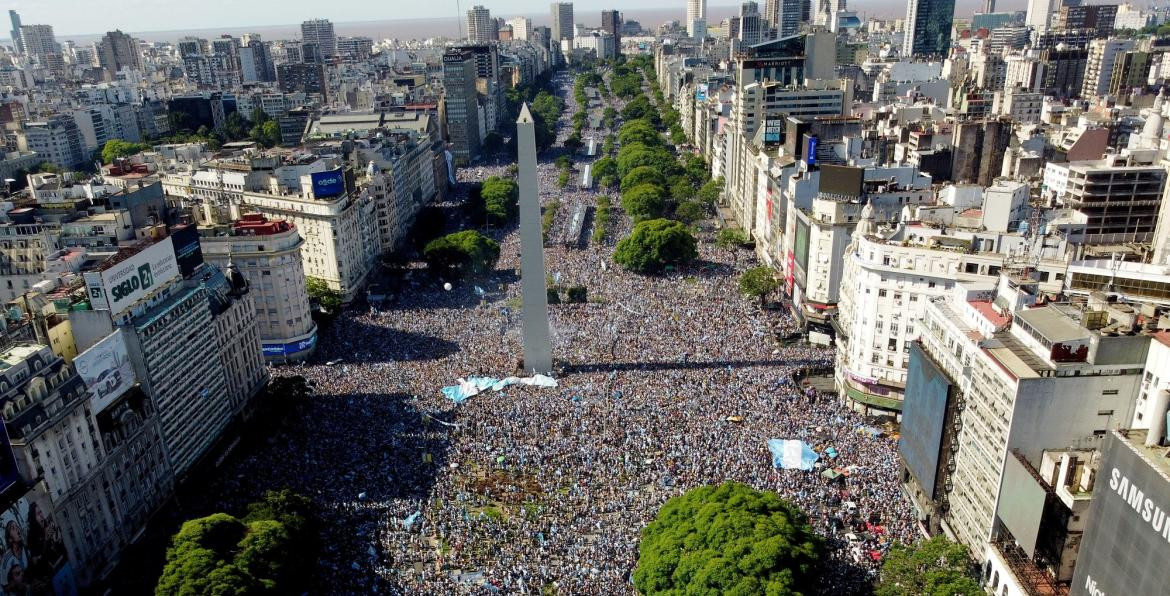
[
  {"x": 328, "y": 184},
  {"x": 284, "y": 349},
  {"x": 106, "y": 370},
  {"x": 1127, "y": 536},
  {"x": 120, "y": 286}
]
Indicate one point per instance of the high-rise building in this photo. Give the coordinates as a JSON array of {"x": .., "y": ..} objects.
[
  {"x": 928, "y": 27},
  {"x": 1040, "y": 13},
  {"x": 58, "y": 139},
  {"x": 1099, "y": 66},
  {"x": 696, "y": 18},
  {"x": 118, "y": 50},
  {"x": 320, "y": 32},
  {"x": 462, "y": 104},
  {"x": 38, "y": 40},
  {"x": 562, "y": 21},
  {"x": 611, "y": 22},
  {"x": 479, "y": 25},
  {"x": 268, "y": 254},
  {"x": 15, "y": 33},
  {"x": 521, "y": 28},
  {"x": 751, "y": 24}
]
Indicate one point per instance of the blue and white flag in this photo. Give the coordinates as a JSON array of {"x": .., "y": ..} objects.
[{"x": 791, "y": 454}]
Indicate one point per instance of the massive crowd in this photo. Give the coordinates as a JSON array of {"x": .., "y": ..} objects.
[{"x": 665, "y": 383}]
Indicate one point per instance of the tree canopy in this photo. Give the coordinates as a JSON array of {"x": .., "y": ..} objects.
[
  {"x": 758, "y": 282},
  {"x": 639, "y": 154},
  {"x": 116, "y": 148},
  {"x": 935, "y": 567},
  {"x": 654, "y": 244},
  {"x": 269, "y": 551},
  {"x": 728, "y": 539},
  {"x": 643, "y": 175},
  {"x": 462, "y": 253},
  {"x": 639, "y": 131},
  {"x": 500, "y": 198},
  {"x": 645, "y": 201}
]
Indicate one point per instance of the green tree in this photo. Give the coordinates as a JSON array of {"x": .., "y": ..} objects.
[
  {"x": 272, "y": 550},
  {"x": 654, "y": 244},
  {"x": 697, "y": 170},
  {"x": 728, "y": 539},
  {"x": 646, "y": 201},
  {"x": 639, "y": 131},
  {"x": 643, "y": 175},
  {"x": 116, "y": 148},
  {"x": 501, "y": 199},
  {"x": 935, "y": 567},
  {"x": 681, "y": 189},
  {"x": 462, "y": 253},
  {"x": 731, "y": 239},
  {"x": 328, "y": 299},
  {"x": 605, "y": 166},
  {"x": 638, "y": 154},
  {"x": 689, "y": 212},
  {"x": 493, "y": 143},
  {"x": 641, "y": 109},
  {"x": 758, "y": 282},
  {"x": 710, "y": 192}
]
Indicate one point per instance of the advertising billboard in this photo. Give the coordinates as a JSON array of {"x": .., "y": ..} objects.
[
  {"x": 701, "y": 92},
  {"x": 106, "y": 370},
  {"x": 9, "y": 473},
  {"x": 328, "y": 184},
  {"x": 800, "y": 244},
  {"x": 34, "y": 559},
  {"x": 188, "y": 252},
  {"x": 1127, "y": 536},
  {"x": 923, "y": 412},
  {"x": 810, "y": 155},
  {"x": 841, "y": 180},
  {"x": 284, "y": 349},
  {"x": 125, "y": 283},
  {"x": 773, "y": 130}
]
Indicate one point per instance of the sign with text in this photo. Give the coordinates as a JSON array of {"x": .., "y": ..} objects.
[
  {"x": 328, "y": 184},
  {"x": 124, "y": 284}
]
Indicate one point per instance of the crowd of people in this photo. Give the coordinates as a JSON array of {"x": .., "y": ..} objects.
[{"x": 664, "y": 384}]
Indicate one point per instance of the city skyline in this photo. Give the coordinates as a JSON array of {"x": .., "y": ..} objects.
[{"x": 70, "y": 18}]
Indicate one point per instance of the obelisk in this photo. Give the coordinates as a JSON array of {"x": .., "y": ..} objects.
[{"x": 537, "y": 345}]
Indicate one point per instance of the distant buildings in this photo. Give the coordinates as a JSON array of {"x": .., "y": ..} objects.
[
  {"x": 562, "y": 21},
  {"x": 480, "y": 26},
  {"x": 320, "y": 32},
  {"x": 462, "y": 106},
  {"x": 928, "y": 27}
]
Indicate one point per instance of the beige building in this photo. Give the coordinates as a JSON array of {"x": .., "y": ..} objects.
[{"x": 268, "y": 255}]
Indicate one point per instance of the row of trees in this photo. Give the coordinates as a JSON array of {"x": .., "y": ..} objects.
[
  {"x": 733, "y": 539},
  {"x": 273, "y": 549}
]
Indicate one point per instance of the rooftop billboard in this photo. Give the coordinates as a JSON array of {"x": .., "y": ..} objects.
[
  {"x": 106, "y": 370},
  {"x": 120, "y": 286},
  {"x": 328, "y": 184}
]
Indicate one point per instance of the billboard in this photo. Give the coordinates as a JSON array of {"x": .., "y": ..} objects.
[
  {"x": 1021, "y": 502},
  {"x": 327, "y": 184},
  {"x": 773, "y": 130},
  {"x": 188, "y": 252},
  {"x": 1127, "y": 536},
  {"x": 810, "y": 156},
  {"x": 800, "y": 244},
  {"x": 118, "y": 287},
  {"x": 34, "y": 559},
  {"x": 841, "y": 180},
  {"x": 701, "y": 92},
  {"x": 9, "y": 473},
  {"x": 106, "y": 370},
  {"x": 296, "y": 347},
  {"x": 923, "y": 412}
]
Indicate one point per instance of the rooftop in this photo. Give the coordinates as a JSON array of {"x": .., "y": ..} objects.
[
  {"x": 1054, "y": 323},
  {"x": 1157, "y": 457},
  {"x": 15, "y": 354}
]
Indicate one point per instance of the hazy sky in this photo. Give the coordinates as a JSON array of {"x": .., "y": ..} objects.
[{"x": 95, "y": 16}]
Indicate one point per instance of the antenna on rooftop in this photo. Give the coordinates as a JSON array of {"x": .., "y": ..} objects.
[{"x": 459, "y": 18}]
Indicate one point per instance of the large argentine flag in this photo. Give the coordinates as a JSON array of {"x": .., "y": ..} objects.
[{"x": 792, "y": 454}]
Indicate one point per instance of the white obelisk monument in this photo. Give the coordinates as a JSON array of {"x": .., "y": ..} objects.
[{"x": 537, "y": 345}]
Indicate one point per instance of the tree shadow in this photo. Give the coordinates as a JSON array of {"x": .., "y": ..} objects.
[
  {"x": 708, "y": 269},
  {"x": 348, "y": 339}
]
